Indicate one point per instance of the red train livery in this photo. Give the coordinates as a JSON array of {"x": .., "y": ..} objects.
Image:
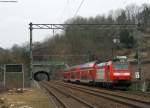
[{"x": 110, "y": 74}]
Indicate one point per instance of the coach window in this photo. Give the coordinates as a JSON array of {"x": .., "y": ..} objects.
[{"x": 107, "y": 67}]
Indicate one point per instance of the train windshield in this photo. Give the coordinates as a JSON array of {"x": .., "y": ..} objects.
[{"x": 120, "y": 66}]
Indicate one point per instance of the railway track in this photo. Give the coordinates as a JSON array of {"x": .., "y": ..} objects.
[
  {"x": 63, "y": 98},
  {"x": 137, "y": 95},
  {"x": 59, "y": 102},
  {"x": 145, "y": 94},
  {"x": 132, "y": 102}
]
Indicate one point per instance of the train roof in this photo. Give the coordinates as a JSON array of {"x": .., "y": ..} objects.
[
  {"x": 88, "y": 65},
  {"x": 93, "y": 63}
]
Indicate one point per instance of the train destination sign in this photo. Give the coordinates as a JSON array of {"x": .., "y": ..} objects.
[{"x": 13, "y": 67}]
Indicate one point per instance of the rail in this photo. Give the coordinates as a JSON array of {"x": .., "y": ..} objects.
[
  {"x": 117, "y": 98},
  {"x": 69, "y": 95}
]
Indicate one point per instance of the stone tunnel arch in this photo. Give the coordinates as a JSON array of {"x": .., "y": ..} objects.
[{"x": 41, "y": 75}]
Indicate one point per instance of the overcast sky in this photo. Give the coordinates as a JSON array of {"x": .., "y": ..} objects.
[{"x": 15, "y": 17}]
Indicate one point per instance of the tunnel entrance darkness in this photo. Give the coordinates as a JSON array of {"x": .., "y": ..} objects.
[{"x": 41, "y": 75}]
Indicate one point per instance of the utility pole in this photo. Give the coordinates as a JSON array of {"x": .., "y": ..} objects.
[
  {"x": 138, "y": 73},
  {"x": 139, "y": 62},
  {"x": 116, "y": 42},
  {"x": 31, "y": 55}
]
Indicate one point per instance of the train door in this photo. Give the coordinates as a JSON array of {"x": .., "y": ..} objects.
[
  {"x": 73, "y": 74},
  {"x": 107, "y": 73},
  {"x": 100, "y": 72}
]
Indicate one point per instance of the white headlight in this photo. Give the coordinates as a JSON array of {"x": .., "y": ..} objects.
[
  {"x": 121, "y": 74},
  {"x": 126, "y": 74},
  {"x": 116, "y": 74}
]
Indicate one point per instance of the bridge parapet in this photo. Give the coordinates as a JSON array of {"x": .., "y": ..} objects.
[{"x": 48, "y": 63}]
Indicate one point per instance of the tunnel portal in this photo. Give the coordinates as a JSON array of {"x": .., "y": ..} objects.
[{"x": 41, "y": 76}]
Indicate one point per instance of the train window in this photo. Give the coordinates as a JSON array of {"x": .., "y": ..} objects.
[
  {"x": 101, "y": 65},
  {"x": 107, "y": 67},
  {"x": 120, "y": 66}
]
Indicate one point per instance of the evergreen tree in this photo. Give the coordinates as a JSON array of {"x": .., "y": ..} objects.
[{"x": 127, "y": 39}]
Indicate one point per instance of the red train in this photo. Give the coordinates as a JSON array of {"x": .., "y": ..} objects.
[{"x": 108, "y": 74}]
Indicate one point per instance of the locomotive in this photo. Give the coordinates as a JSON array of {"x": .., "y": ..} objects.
[{"x": 112, "y": 73}]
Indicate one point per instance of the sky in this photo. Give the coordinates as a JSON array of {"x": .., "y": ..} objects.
[{"x": 15, "y": 17}]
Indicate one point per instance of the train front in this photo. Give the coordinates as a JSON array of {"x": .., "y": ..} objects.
[{"x": 121, "y": 73}]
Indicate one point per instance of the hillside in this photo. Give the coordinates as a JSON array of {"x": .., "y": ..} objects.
[{"x": 96, "y": 43}]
